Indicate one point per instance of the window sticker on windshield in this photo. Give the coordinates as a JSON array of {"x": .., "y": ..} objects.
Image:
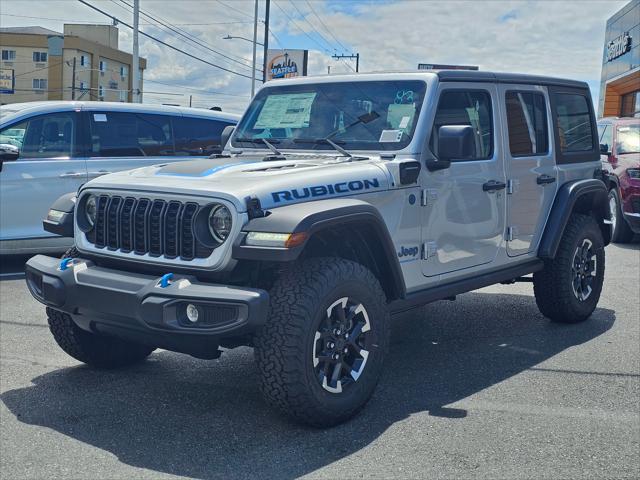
[
  {"x": 390, "y": 136},
  {"x": 290, "y": 110},
  {"x": 99, "y": 117},
  {"x": 400, "y": 116},
  {"x": 404, "y": 96}
]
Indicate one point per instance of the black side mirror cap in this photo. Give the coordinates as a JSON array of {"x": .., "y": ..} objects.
[
  {"x": 226, "y": 135},
  {"x": 456, "y": 142},
  {"x": 604, "y": 149},
  {"x": 8, "y": 152},
  {"x": 59, "y": 219}
]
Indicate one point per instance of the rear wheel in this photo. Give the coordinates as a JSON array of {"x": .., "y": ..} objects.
[
  {"x": 321, "y": 352},
  {"x": 567, "y": 290},
  {"x": 620, "y": 231}
]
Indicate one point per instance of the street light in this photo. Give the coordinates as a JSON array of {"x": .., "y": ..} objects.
[
  {"x": 229, "y": 37},
  {"x": 254, "y": 42}
]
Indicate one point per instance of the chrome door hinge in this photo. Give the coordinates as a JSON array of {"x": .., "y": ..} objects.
[
  {"x": 512, "y": 233},
  {"x": 428, "y": 197},
  {"x": 429, "y": 249},
  {"x": 512, "y": 186}
]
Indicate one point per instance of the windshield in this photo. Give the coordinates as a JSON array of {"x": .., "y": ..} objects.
[
  {"x": 629, "y": 139},
  {"x": 370, "y": 115}
]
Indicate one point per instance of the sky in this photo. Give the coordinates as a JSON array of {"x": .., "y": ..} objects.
[{"x": 561, "y": 38}]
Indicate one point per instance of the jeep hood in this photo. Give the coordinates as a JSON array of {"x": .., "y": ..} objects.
[{"x": 299, "y": 178}]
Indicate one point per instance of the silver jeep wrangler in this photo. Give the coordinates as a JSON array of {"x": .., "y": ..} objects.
[{"x": 338, "y": 202}]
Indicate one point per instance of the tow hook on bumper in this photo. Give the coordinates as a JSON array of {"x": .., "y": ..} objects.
[{"x": 168, "y": 310}]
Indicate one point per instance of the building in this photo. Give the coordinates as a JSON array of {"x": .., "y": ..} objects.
[
  {"x": 83, "y": 63},
  {"x": 620, "y": 81}
]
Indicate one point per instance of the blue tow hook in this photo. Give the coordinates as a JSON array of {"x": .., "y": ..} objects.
[
  {"x": 165, "y": 280},
  {"x": 64, "y": 264}
]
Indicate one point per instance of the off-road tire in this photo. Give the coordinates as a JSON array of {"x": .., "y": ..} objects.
[
  {"x": 621, "y": 232},
  {"x": 553, "y": 285},
  {"x": 284, "y": 347},
  {"x": 98, "y": 351}
]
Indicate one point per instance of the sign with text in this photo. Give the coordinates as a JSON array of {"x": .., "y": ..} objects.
[
  {"x": 618, "y": 46},
  {"x": 6, "y": 80},
  {"x": 286, "y": 63}
]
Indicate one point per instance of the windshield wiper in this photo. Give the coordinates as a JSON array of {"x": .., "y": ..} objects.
[
  {"x": 269, "y": 143},
  {"x": 319, "y": 141}
]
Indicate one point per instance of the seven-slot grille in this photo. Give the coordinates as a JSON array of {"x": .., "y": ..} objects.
[{"x": 142, "y": 225}]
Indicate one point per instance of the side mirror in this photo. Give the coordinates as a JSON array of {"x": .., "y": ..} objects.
[
  {"x": 8, "y": 152},
  {"x": 226, "y": 135},
  {"x": 604, "y": 149},
  {"x": 455, "y": 143}
]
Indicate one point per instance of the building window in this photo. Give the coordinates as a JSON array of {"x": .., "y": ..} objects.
[
  {"x": 100, "y": 91},
  {"x": 527, "y": 123},
  {"x": 83, "y": 86},
  {"x": 39, "y": 57},
  {"x": 123, "y": 95},
  {"x": 39, "y": 83},
  {"x": 84, "y": 61},
  {"x": 630, "y": 105},
  {"x": 124, "y": 71},
  {"x": 8, "y": 55},
  {"x": 103, "y": 66}
]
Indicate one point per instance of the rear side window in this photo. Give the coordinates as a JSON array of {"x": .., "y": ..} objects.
[
  {"x": 466, "y": 107},
  {"x": 574, "y": 123},
  {"x": 125, "y": 134},
  {"x": 527, "y": 123},
  {"x": 47, "y": 136},
  {"x": 197, "y": 136}
]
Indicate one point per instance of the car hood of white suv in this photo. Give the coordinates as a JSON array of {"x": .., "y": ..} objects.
[{"x": 299, "y": 178}]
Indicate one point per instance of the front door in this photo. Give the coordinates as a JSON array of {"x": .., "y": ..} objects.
[
  {"x": 465, "y": 204},
  {"x": 531, "y": 170},
  {"x": 45, "y": 170}
]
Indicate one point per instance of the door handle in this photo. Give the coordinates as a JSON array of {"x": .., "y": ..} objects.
[
  {"x": 545, "y": 179},
  {"x": 98, "y": 173},
  {"x": 72, "y": 175},
  {"x": 493, "y": 186}
]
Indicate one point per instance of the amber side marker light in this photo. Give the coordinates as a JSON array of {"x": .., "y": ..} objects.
[{"x": 279, "y": 240}]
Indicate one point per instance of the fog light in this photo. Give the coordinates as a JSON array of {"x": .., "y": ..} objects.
[{"x": 192, "y": 313}]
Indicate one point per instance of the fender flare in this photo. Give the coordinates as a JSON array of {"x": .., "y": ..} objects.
[
  {"x": 62, "y": 225},
  {"x": 313, "y": 217},
  {"x": 582, "y": 196}
]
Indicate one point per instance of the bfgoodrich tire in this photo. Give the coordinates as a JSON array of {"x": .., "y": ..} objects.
[
  {"x": 320, "y": 355},
  {"x": 567, "y": 290}
]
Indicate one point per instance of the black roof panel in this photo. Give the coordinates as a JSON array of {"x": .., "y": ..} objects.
[{"x": 480, "y": 76}]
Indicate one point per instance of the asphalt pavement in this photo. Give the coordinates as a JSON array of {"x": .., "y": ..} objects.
[{"x": 483, "y": 387}]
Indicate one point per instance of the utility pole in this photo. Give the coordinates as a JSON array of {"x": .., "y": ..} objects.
[
  {"x": 255, "y": 46},
  {"x": 328, "y": 69},
  {"x": 73, "y": 80},
  {"x": 190, "y": 100},
  {"x": 351, "y": 57},
  {"x": 266, "y": 39},
  {"x": 135, "y": 74}
]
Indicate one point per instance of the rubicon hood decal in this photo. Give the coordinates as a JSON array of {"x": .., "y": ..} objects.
[{"x": 324, "y": 190}]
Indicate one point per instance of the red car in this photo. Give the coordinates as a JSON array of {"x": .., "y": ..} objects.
[{"x": 620, "y": 155}]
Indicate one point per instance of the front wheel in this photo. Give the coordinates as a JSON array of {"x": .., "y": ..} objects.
[
  {"x": 567, "y": 290},
  {"x": 620, "y": 231},
  {"x": 321, "y": 352}
]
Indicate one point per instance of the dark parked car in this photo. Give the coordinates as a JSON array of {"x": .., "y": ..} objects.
[{"x": 620, "y": 155}]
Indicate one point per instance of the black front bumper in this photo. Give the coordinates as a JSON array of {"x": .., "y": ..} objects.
[{"x": 141, "y": 308}]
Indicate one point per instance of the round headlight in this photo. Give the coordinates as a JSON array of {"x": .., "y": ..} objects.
[
  {"x": 90, "y": 210},
  {"x": 220, "y": 222}
]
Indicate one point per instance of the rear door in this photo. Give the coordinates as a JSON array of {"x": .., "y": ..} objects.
[
  {"x": 530, "y": 164},
  {"x": 46, "y": 169},
  {"x": 465, "y": 214}
]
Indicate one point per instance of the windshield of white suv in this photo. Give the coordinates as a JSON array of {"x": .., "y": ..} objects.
[
  {"x": 629, "y": 139},
  {"x": 365, "y": 115}
]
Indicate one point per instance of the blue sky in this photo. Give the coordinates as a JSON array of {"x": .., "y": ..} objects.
[{"x": 562, "y": 38}]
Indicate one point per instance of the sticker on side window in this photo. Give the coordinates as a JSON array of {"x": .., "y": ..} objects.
[
  {"x": 99, "y": 117},
  {"x": 390, "y": 136}
]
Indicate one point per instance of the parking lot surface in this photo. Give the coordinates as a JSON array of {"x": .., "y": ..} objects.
[{"x": 480, "y": 387}]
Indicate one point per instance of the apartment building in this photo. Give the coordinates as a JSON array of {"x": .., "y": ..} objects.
[{"x": 83, "y": 63}]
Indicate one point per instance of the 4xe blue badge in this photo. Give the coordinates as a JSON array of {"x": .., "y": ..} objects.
[{"x": 408, "y": 252}]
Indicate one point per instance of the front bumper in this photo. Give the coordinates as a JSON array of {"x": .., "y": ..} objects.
[{"x": 144, "y": 309}]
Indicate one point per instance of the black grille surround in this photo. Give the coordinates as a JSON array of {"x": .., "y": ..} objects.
[{"x": 147, "y": 226}]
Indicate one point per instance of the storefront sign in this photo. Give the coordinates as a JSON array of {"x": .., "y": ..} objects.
[
  {"x": 6, "y": 80},
  {"x": 618, "y": 46},
  {"x": 286, "y": 63}
]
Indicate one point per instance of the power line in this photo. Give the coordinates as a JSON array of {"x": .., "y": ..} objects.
[
  {"x": 109, "y": 23},
  {"x": 325, "y": 26},
  {"x": 234, "y": 9},
  {"x": 293, "y": 22},
  {"x": 211, "y": 92},
  {"x": 309, "y": 23},
  {"x": 185, "y": 35},
  {"x": 165, "y": 43}
]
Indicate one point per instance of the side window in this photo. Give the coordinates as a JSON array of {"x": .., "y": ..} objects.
[
  {"x": 527, "y": 123},
  {"x": 197, "y": 136},
  {"x": 47, "y": 136},
  {"x": 124, "y": 134},
  {"x": 466, "y": 107},
  {"x": 14, "y": 134},
  {"x": 605, "y": 133},
  {"x": 574, "y": 123}
]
